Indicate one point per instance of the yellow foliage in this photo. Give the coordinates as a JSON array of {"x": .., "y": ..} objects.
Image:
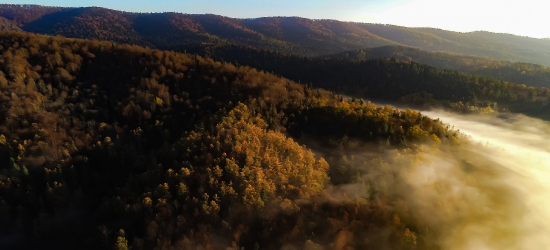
[
  {"x": 158, "y": 101},
  {"x": 182, "y": 188},
  {"x": 435, "y": 138},
  {"x": 185, "y": 172},
  {"x": 147, "y": 202},
  {"x": 416, "y": 132},
  {"x": 410, "y": 237},
  {"x": 259, "y": 164}
]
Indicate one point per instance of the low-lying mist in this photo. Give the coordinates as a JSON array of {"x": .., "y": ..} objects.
[
  {"x": 491, "y": 193},
  {"x": 488, "y": 190}
]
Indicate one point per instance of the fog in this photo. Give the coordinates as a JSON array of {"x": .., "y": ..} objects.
[{"x": 502, "y": 201}]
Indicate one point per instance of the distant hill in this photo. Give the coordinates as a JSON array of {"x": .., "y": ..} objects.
[
  {"x": 290, "y": 35},
  {"x": 526, "y": 73},
  {"x": 392, "y": 80},
  {"x": 7, "y": 25}
]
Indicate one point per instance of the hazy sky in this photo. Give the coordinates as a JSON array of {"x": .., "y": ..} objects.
[{"x": 526, "y": 17}]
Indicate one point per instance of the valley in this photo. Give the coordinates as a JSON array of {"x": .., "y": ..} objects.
[{"x": 124, "y": 130}]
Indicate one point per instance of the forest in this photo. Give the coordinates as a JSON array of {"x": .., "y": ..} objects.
[
  {"x": 107, "y": 146},
  {"x": 517, "y": 72},
  {"x": 396, "y": 81},
  {"x": 124, "y": 130}
]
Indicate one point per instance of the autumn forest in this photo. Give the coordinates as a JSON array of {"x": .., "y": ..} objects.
[{"x": 137, "y": 131}]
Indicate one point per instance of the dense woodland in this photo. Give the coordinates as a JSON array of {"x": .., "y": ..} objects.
[
  {"x": 523, "y": 73},
  {"x": 391, "y": 80},
  {"x": 106, "y": 146}
]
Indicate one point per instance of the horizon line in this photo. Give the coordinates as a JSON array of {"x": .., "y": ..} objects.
[{"x": 244, "y": 18}]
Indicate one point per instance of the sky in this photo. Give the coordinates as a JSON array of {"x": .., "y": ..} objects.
[{"x": 525, "y": 18}]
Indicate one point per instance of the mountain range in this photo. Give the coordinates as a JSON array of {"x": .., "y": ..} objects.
[{"x": 291, "y": 35}]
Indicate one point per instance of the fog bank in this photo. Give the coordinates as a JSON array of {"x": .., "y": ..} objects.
[{"x": 508, "y": 207}]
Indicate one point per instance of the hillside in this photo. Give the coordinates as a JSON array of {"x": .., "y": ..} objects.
[
  {"x": 166, "y": 131},
  {"x": 289, "y": 35},
  {"x": 494, "y": 45},
  {"x": 391, "y": 80},
  {"x": 524, "y": 73},
  {"x": 7, "y": 25},
  {"x": 106, "y": 146}
]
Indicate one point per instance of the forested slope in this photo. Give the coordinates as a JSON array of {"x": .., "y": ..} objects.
[
  {"x": 7, "y": 25},
  {"x": 111, "y": 146},
  {"x": 523, "y": 73},
  {"x": 106, "y": 146},
  {"x": 391, "y": 80}
]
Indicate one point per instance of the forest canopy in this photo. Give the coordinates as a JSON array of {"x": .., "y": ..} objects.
[
  {"x": 227, "y": 142},
  {"x": 119, "y": 146}
]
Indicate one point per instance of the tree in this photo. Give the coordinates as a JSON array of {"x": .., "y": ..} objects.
[{"x": 121, "y": 242}]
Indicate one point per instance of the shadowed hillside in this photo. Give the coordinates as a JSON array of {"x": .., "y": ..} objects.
[
  {"x": 392, "y": 80},
  {"x": 525, "y": 73}
]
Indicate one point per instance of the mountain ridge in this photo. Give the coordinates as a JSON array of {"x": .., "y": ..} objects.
[
  {"x": 293, "y": 35},
  {"x": 273, "y": 16}
]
